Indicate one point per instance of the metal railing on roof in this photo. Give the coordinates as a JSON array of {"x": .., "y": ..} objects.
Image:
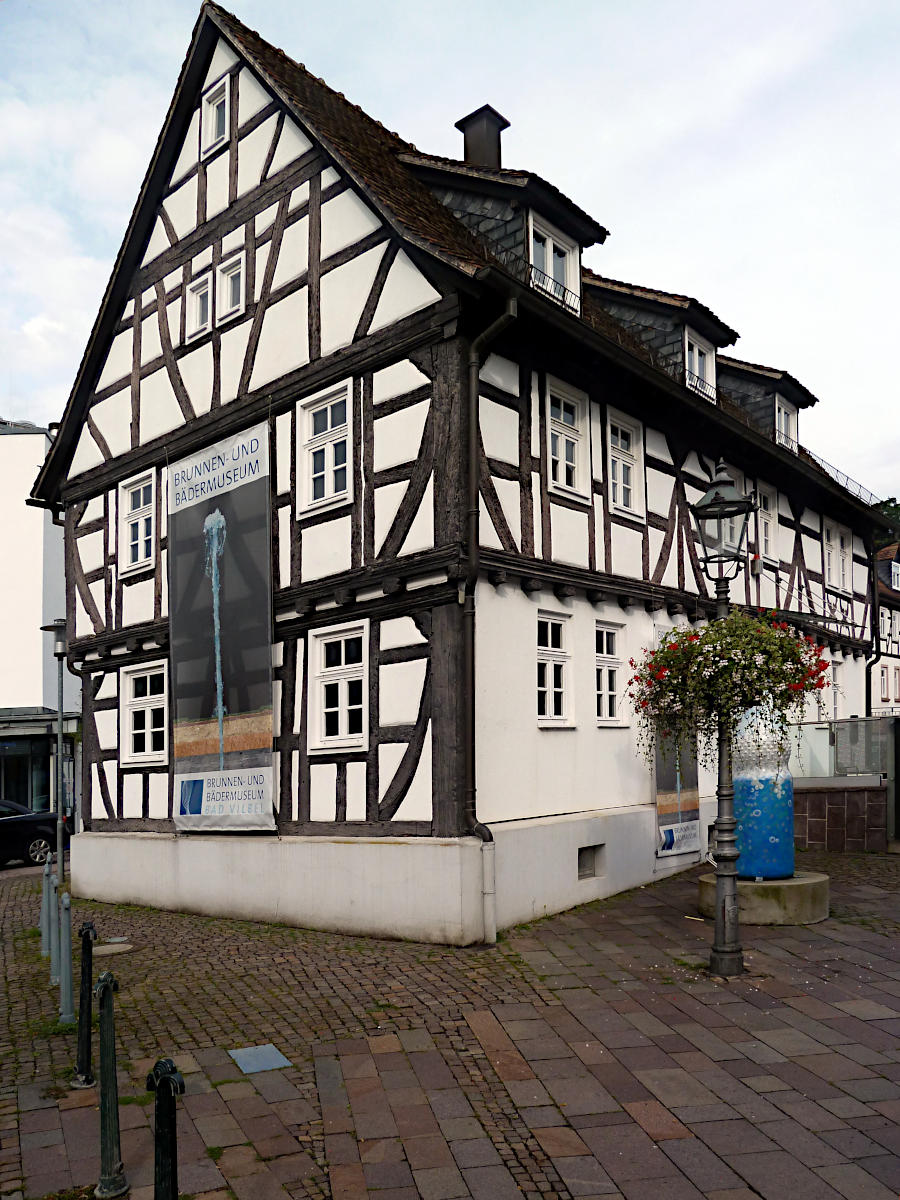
[
  {"x": 841, "y": 477},
  {"x": 701, "y": 385},
  {"x": 527, "y": 272}
]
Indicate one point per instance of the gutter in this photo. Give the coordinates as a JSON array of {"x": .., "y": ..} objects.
[
  {"x": 876, "y": 626},
  {"x": 472, "y": 825}
]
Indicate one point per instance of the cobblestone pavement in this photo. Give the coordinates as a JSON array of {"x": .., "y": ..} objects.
[{"x": 585, "y": 1055}]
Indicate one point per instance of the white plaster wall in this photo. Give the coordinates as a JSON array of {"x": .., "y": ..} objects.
[
  {"x": 426, "y": 889},
  {"x": 343, "y": 294},
  {"x": 345, "y": 220},
  {"x": 326, "y": 548},
  {"x": 499, "y": 430},
  {"x": 502, "y": 373},
  {"x": 252, "y": 151},
  {"x": 398, "y": 436},
  {"x": 400, "y": 691},
  {"x": 525, "y": 771},
  {"x": 31, "y": 547},
  {"x": 291, "y": 145},
  {"x": 406, "y": 290},
  {"x": 569, "y": 535},
  {"x": 396, "y": 380},
  {"x": 284, "y": 340}
]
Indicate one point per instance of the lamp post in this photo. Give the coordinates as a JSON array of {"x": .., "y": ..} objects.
[
  {"x": 58, "y": 629},
  {"x": 721, "y": 519}
]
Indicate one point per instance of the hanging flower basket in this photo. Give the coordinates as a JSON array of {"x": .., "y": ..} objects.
[{"x": 698, "y": 682}]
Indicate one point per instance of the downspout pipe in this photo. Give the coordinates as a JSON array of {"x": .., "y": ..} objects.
[
  {"x": 477, "y": 353},
  {"x": 875, "y": 618}
]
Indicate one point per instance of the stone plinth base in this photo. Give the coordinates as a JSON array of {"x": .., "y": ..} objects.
[{"x": 801, "y": 900}]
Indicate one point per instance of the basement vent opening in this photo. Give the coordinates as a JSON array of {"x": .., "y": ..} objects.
[{"x": 590, "y": 861}]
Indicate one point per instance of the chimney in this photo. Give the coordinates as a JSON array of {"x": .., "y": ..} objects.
[{"x": 481, "y": 131}]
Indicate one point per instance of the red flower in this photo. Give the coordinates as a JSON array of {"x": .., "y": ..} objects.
[
  {"x": 796, "y": 687},
  {"x": 695, "y": 637},
  {"x": 643, "y": 704}
]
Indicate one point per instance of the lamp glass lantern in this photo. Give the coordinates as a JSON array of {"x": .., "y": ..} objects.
[{"x": 720, "y": 518}]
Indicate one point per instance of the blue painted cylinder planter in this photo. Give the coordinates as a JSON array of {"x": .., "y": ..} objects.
[{"x": 763, "y": 802}]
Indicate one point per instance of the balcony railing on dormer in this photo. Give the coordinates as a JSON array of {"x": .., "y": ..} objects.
[
  {"x": 850, "y": 485},
  {"x": 527, "y": 272},
  {"x": 698, "y": 384}
]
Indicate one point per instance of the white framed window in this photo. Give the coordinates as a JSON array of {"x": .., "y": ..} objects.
[
  {"x": 699, "y": 364},
  {"x": 555, "y": 263},
  {"x": 767, "y": 523},
  {"x": 895, "y": 576},
  {"x": 198, "y": 310},
  {"x": 608, "y": 673},
  {"x": 137, "y": 524},
  {"x": 895, "y": 625},
  {"x": 838, "y": 558},
  {"x": 568, "y": 438},
  {"x": 884, "y": 618},
  {"x": 625, "y": 469},
  {"x": 214, "y": 114},
  {"x": 325, "y": 453},
  {"x": 230, "y": 300},
  {"x": 553, "y": 663},
  {"x": 897, "y": 684},
  {"x": 885, "y": 684},
  {"x": 339, "y": 688},
  {"x": 785, "y": 424},
  {"x": 143, "y": 715}
]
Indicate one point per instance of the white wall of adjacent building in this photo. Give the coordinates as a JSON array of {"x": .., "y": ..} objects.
[{"x": 32, "y": 591}]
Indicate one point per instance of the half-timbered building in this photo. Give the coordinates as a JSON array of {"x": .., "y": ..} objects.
[
  {"x": 886, "y": 662},
  {"x": 480, "y": 458}
]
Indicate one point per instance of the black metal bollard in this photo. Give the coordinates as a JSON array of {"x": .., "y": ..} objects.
[
  {"x": 166, "y": 1081},
  {"x": 112, "y": 1172},
  {"x": 84, "y": 1074}
]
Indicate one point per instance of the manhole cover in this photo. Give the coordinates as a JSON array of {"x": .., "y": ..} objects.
[
  {"x": 259, "y": 1058},
  {"x": 112, "y": 948}
]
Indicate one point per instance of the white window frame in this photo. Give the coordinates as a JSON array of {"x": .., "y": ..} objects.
[
  {"x": 309, "y": 443},
  {"x": 548, "y": 285},
  {"x": 785, "y": 424},
  {"x": 884, "y": 620},
  {"x": 767, "y": 523},
  {"x": 895, "y": 576},
  {"x": 127, "y": 518},
  {"x": 837, "y": 559},
  {"x": 897, "y": 684},
  {"x": 578, "y": 435},
  {"x": 885, "y": 685},
  {"x": 633, "y": 458},
  {"x": 220, "y": 90},
  {"x": 194, "y": 327},
  {"x": 701, "y": 381},
  {"x": 234, "y": 265},
  {"x": 550, "y": 658},
  {"x": 604, "y": 662},
  {"x": 128, "y": 705},
  {"x": 895, "y": 624},
  {"x": 320, "y": 675}
]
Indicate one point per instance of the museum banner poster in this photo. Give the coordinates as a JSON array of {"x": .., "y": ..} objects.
[
  {"x": 677, "y": 794},
  {"x": 220, "y": 616}
]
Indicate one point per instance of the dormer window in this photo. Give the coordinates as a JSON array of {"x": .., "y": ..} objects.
[
  {"x": 214, "y": 117},
  {"x": 785, "y": 424},
  {"x": 554, "y": 264},
  {"x": 699, "y": 365}
]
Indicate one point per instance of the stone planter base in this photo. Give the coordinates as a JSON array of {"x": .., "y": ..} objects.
[{"x": 801, "y": 900}]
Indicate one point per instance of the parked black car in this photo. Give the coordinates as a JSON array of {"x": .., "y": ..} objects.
[{"x": 26, "y": 835}]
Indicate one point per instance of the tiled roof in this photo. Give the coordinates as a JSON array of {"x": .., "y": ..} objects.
[
  {"x": 369, "y": 149},
  {"x": 773, "y": 373},
  {"x": 511, "y": 177},
  {"x": 639, "y": 292},
  {"x": 888, "y": 553}
]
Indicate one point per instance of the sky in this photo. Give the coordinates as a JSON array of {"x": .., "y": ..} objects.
[{"x": 746, "y": 155}]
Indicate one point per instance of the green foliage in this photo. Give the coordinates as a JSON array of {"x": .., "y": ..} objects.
[
  {"x": 698, "y": 683},
  {"x": 889, "y": 508}
]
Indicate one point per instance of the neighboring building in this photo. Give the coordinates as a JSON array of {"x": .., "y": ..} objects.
[
  {"x": 303, "y": 298},
  {"x": 886, "y": 669},
  {"x": 31, "y": 547}
]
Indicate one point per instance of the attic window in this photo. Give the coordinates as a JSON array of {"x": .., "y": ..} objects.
[
  {"x": 554, "y": 264},
  {"x": 895, "y": 576},
  {"x": 214, "y": 116},
  {"x": 699, "y": 365},
  {"x": 230, "y": 288},
  {"x": 785, "y": 424},
  {"x": 198, "y": 317}
]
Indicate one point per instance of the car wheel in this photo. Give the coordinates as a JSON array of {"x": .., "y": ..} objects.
[{"x": 36, "y": 849}]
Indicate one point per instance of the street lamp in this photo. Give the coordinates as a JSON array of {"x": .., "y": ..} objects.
[
  {"x": 721, "y": 518},
  {"x": 58, "y": 629}
]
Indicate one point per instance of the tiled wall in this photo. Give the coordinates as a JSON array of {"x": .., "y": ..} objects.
[{"x": 852, "y": 818}]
